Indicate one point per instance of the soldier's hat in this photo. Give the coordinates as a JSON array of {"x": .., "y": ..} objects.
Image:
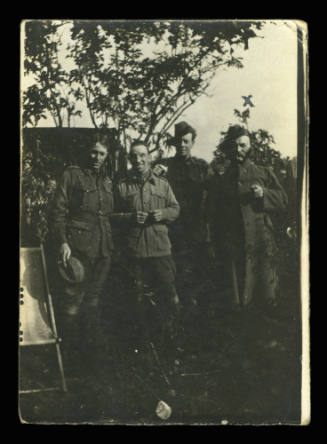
[
  {"x": 181, "y": 129},
  {"x": 233, "y": 132},
  {"x": 73, "y": 272}
]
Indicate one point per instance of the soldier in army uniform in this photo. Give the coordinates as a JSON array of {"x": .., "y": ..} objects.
[
  {"x": 81, "y": 227},
  {"x": 187, "y": 176},
  {"x": 145, "y": 204}
]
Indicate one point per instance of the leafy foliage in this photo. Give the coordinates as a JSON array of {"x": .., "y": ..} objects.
[
  {"x": 51, "y": 91},
  {"x": 144, "y": 75},
  {"x": 39, "y": 173},
  {"x": 136, "y": 76}
]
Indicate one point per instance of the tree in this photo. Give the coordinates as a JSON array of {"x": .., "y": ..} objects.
[
  {"x": 52, "y": 91},
  {"x": 136, "y": 76},
  {"x": 39, "y": 168},
  {"x": 142, "y": 76}
]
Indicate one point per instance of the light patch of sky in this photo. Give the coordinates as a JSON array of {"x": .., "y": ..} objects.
[{"x": 269, "y": 74}]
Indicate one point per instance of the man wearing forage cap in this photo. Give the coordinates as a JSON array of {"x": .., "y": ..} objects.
[{"x": 187, "y": 176}]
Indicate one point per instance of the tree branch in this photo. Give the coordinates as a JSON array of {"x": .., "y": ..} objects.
[{"x": 87, "y": 98}]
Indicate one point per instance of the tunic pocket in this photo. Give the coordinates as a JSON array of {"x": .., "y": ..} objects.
[
  {"x": 158, "y": 199},
  {"x": 77, "y": 197},
  {"x": 161, "y": 237},
  {"x": 79, "y": 235}
]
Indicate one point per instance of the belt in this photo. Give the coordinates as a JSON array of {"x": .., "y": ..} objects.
[{"x": 90, "y": 216}]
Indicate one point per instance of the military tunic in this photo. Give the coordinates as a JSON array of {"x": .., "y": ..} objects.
[
  {"x": 148, "y": 249},
  {"x": 80, "y": 214},
  {"x": 188, "y": 178},
  {"x": 150, "y": 239},
  {"x": 82, "y": 205}
]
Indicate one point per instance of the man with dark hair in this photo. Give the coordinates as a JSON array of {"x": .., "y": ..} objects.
[
  {"x": 145, "y": 205},
  {"x": 239, "y": 206},
  {"x": 187, "y": 176},
  {"x": 81, "y": 229}
]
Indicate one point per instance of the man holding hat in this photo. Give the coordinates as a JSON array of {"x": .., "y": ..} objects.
[
  {"x": 240, "y": 203},
  {"x": 187, "y": 176},
  {"x": 81, "y": 227}
]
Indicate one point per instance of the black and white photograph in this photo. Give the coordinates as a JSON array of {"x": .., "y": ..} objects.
[{"x": 164, "y": 251}]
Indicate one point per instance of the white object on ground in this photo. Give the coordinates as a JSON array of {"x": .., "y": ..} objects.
[{"x": 163, "y": 410}]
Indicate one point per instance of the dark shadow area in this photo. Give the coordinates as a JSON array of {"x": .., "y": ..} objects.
[{"x": 241, "y": 366}]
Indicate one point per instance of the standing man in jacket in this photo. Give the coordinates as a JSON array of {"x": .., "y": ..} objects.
[
  {"x": 147, "y": 205},
  {"x": 239, "y": 206},
  {"x": 188, "y": 176},
  {"x": 81, "y": 227}
]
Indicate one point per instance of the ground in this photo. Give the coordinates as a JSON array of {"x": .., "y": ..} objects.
[{"x": 240, "y": 366}]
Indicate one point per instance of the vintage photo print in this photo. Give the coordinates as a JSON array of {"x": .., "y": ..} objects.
[{"x": 164, "y": 275}]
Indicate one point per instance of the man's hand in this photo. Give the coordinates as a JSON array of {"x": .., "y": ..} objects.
[
  {"x": 257, "y": 191},
  {"x": 65, "y": 253},
  {"x": 160, "y": 170},
  {"x": 157, "y": 215},
  {"x": 141, "y": 217}
]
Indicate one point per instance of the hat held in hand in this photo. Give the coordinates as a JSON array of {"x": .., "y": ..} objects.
[{"x": 73, "y": 272}]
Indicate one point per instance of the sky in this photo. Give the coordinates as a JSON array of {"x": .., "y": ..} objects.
[{"x": 269, "y": 75}]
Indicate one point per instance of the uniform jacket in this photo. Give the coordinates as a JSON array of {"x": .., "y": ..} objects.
[
  {"x": 80, "y": 214},
  {"x": 188, "y": 180},
  {"x": 150, "y": 239},
  {"x": 236, "y": 216}
]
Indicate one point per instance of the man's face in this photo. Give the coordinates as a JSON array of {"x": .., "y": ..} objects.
[
  {"x": 184, "y": 145},
  {"x": 140, "y": 159},
  {"x": 241, "y": 149},
  {"x": 98, "y": 155}
]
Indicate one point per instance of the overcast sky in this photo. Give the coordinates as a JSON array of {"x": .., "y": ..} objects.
[{"x": 269, "y": 75}]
